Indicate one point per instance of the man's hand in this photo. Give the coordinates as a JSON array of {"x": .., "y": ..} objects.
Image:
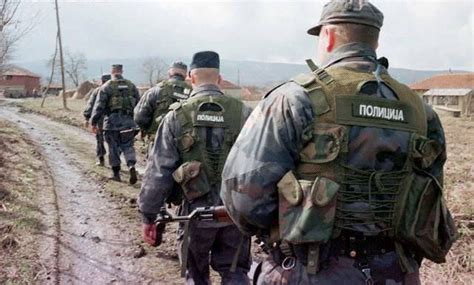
[
  {"x": 149, "y": 234},
  {"x": 86, "y": 124},
  {"x": 94, "y": 129}
]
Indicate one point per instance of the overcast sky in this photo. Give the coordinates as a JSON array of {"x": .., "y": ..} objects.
[{"x": 417, "y": 34}]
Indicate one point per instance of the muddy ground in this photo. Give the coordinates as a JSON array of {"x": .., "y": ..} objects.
[
  {"x": 88, "y": 236},
  {"x": 85, "y": 229}
]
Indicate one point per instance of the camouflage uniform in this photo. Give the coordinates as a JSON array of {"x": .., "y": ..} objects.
[
  {"x": 221, "y": 239},
  {"x": 253, "y": 170},
  {"x": 153, "y": 99},
  {"x": 99, "y": 136},
  {"x": 119, "y": 127}
]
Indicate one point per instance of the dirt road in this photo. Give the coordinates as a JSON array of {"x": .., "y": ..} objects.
[{"x": 93, "y": 245}]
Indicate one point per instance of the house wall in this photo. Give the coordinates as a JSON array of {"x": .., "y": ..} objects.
[
  {"x": 27, "y": 82},
  {"x": 236, "y": 93}
]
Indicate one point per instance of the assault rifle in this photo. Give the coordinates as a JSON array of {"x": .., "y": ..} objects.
[{"x": 204, "y": 214}]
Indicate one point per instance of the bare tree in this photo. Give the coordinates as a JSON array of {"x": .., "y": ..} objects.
[
  {"x": 75, "y": 65},
  {"x": 11, "y": 29},
  {"x": 154, "y": 69}
]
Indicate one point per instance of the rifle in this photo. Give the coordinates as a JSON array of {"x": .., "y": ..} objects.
[{"x": 204, "y": 214}]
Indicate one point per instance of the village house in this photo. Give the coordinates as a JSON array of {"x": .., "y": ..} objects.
[
  {"x": 452, "y": 92},
  {"x": 231, "y": 89},
  {"x": 19, "y": 82}
]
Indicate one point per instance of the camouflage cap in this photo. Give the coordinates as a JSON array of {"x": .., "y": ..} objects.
[
  {"x": 349, "y": 11},
  {"x": 179, "y": 65}
]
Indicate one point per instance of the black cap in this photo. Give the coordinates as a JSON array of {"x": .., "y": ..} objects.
[
  {"x": 105, "y": 77},
  {"x": 205, "y": 59},
  {"x": 179, "y": 65},
  {"x": 117, "y": 67},
  {"x": 360, "y": 12}
]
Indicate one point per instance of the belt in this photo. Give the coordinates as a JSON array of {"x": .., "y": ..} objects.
[
  {"x": 350, "y": 244},
  {"x": 355, "y": 245},
  {"x": 121, "y": 112}
]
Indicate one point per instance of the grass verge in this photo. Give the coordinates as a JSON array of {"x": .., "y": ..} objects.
[{"x": 22, "y": 177}]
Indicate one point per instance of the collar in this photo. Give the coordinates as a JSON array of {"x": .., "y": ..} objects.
[
  {"x": 351, "y": 50},
  {"x": 208, "y": 88}
]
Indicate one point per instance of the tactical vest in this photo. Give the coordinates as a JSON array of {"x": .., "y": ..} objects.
[
  {"x": 202, "y": 166},
  {"x": 313, "y": 197},
  {"x": 170, "y": 92},
  {"x": 122, "y": 98}
]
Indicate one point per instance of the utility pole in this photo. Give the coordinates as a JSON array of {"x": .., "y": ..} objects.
[
  {"x": 61, "y": 57},
  {"x": 238, "y": 77}
]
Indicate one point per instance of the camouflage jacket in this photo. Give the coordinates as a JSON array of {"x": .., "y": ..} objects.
[
  {"x": 145, "y": 109},
  {"x": 112, "y": 121},
  {"x": 158, "y": 183},
  {"x": 272, "y": 138}
]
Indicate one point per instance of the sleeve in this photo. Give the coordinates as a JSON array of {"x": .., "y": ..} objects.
[
  {"x": 164, "y": 160},
  {"x": 100, "y": 105},
  {"x": 266, "y": 149},
  {"x": 143, "y": 112},
  {"x": 90, "y": 103},
  {"x": 436, "y": 133},
  {"x": 136, "y": 93}
]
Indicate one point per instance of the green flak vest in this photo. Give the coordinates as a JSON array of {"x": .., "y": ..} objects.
[
  {"x": 122, "y": 98},
  {"x": 313, "y": 195},
  {"x": 213, "y": 112},
  {"x": 170, "y": 92}
]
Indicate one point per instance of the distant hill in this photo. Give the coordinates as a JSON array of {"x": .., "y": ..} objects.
[{"x": 246, "y": 72}]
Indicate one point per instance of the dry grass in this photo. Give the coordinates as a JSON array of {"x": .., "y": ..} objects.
[
  {"x": 53, "y": 108},
  {"x": 21, "y": 179},
  {"x": 459, "y": 186}
]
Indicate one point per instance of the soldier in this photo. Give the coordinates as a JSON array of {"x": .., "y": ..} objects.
[
  {"x": 115, "y": 101},
  {"x": 190, "y": 148},
  {"x": 99, "y": 135},
  {"x": 157, "y": 100},
  {"x": 332, "y": 170}
]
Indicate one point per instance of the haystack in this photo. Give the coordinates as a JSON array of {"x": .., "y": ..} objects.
[
  {"x": 69, "y": 93},
  {"x": 83, "y": 89}
]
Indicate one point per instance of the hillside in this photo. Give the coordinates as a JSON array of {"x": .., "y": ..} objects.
[{"x": 247, "y": 72}]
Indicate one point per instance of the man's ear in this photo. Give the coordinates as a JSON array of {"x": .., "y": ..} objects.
[
  {"x": 193, "y": 78},
  {"x": 331, "y": 39},
  {"x": 219, "y": 80}
]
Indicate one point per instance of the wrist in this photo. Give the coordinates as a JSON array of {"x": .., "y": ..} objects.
[{"x": 148, "y": 219}]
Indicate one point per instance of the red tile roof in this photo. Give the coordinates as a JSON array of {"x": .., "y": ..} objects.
[
  {"x": 14, "y": 70},
  {"x": 446, "y": 81}
]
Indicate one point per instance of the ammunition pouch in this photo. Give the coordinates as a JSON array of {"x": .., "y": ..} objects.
[
  {"x": 307, "y": 209},
  {"x": 423, "y": 223},
  {"x": 193, "y": 180}
]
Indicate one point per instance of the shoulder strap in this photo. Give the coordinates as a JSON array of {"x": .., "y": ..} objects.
[{"x": 315, "y": 92}]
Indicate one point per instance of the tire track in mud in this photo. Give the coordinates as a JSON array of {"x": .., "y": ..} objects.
[{"x": 93, "y": 246}]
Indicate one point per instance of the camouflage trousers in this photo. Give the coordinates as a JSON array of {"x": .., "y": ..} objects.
[
  {"x": 384, "y": 269},
  {"x": 100, "y": 147},
  {"x": 216, "y": 247},
  {"x": 120, "y": 142}
]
